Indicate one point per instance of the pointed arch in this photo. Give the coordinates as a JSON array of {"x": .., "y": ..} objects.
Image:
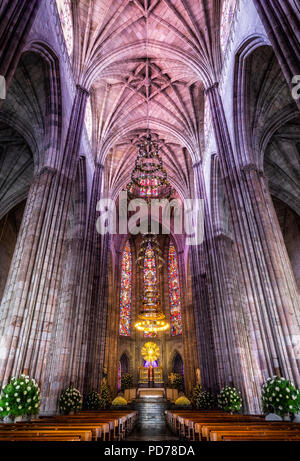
[
  {"x": 174, "y": 291},
  {"x": 126, "y": 288}
]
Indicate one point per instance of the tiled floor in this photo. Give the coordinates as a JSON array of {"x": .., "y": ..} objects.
[{"x": 151, "y": 425}]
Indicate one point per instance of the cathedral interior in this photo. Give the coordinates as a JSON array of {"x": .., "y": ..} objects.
[{"x": 168, "y": 99}]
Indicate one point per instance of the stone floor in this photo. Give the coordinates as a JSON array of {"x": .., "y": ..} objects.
[{"x": 151, "y": 425}]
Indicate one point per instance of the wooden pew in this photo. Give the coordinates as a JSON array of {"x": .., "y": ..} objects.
[
  {"x": 215, "y": 426},
  {"x": 96, "y": 425},
  {"x": 83, "y": 435},
  {"x": 207, "y": 429},
  {"x": 188, "y": 423},
  {"x": 53, "y": 438},
  {"x": 265, "y": 434}
]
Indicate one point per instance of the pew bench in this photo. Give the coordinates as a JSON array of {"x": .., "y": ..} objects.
[{"x": 85, "y": 436}]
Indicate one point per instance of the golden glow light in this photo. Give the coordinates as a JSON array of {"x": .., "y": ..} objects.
[
  {"x": 152, "y": 326},
  {"x": 150, "y": 351}
]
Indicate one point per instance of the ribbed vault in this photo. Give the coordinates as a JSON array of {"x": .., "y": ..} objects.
[{"x": 130, "y": 52}]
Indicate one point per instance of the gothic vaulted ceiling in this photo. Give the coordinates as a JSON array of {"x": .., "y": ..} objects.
[{"x": 146, "y": 63}]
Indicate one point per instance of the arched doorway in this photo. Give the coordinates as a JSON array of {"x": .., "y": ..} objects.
[
  {"x": 123, "y": 368},
  {"x": 178, "y": 367}
]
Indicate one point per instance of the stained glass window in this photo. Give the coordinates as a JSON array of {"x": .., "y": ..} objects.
[
  {"x": 150, "y": 279},
  {"x": 125, "y": 296},
  {"x": 174, "y": 292},
  {"x": 226, "y": 21},
  {"x": 65, "y": 14}
]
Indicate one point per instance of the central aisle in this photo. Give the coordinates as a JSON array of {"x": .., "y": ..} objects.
[{"x": 151, "y": 425}]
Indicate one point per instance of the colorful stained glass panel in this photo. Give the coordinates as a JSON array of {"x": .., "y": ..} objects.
[
  {"x": 150, "y": 278},
  {"x": 125, "y": 296},
  {"x": 174, "y": 292}
]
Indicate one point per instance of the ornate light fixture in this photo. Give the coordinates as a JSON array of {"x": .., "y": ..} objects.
[
  {"x": 149, "y": 181},
  {"x": 151, "y": 319},
  {"x": 152, "y": 239},
  {"x": 149, "y": 177}
]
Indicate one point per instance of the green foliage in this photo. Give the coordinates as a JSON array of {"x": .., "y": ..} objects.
[
  {"x": 70, "y": 400},
  {"x": 126, "y": 381},
  {"x": 230, "y": 399},
  {"x": 20, "y": 397},
  {"x": 183, "y": 402},
  {"x": 279, "y": 395},
  {"x": 92, "y": 401},
  {"x": 176, "y": 381},
  {"x": 104, "y": 396},
  {"x": 119, "y": 402},
  {"x": 203, "y": 400}
]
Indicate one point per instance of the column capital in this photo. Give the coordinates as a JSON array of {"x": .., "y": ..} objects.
[
  {"x": 222, "y": 236},
  {"x": 46, "y": 170},
  {"x": 82, "y": 89},
  {"x": 252, "y": 167},
  {"x": 212, "y": 88},
  {"x": 99, "y": 166},
  {"x": 197, "y": 164}
]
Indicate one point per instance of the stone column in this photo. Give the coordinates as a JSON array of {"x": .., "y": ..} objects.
[
  {"x": 85, "y": 315},
  {"x": 280, "y": 288},
  {"x": 205, "y": 296},
  {"x": 65, "y": 320},
  {"x": 190, "y": 352},
  {"x": 229, "y": 327},
  {"x": 16, "y": 19},
  {"x": 99, "y": 315},
  {"x": 282, "y": 24},
  {"x": 268, "y": 289},
  {"x": 30, "y": 297}
]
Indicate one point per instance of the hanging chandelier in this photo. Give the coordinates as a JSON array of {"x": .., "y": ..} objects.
[
  {"x": 152, "y": 239},
  {"x": 151, "y": 319},
  {"x": 149, "y": 177},
  {"x": 149, "y": 181}
]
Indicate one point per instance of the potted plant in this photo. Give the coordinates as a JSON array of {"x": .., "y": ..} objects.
[
  {"x": 183, "y": 402},
  {"x": 70, "y": 401},
  {"x": 176, "y": 381},
  {"x": 119, "y": 402},
  {"x": 280, "y": 397},
  {"x": 203, "y": 400},
  {"x": 230, "y": 400},
  {"x": 104, "y": 396},
  {"x": 20, "y": 399},
  {"x": 92, "y": 401}
]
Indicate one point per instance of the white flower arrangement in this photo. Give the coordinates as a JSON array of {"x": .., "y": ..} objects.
[
  {"x": 280, "y": 396},
  {"x": 70, "y": 400},
  {"x": 229, "y": 399},
  {"x": 14, "y": 400}
]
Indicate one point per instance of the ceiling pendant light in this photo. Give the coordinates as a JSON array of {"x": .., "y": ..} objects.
[
  {"x": 151, "y": 319},
  {"x": 149, "y": 177}
]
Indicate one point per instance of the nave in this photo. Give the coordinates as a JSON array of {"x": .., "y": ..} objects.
[
  {"x": 151, "y": 421},
  {"x": 149, "y": 219}
]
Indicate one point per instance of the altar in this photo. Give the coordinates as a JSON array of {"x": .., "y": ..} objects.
[
  {"x": 151, "y": 374},
  {"x": 150, "y": 377},
  {"x": 151, "y": 392}
]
